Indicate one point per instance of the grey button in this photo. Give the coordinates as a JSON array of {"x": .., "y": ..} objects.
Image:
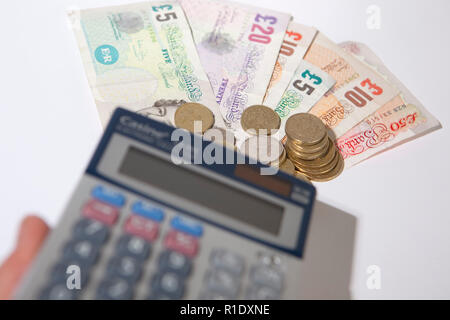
[
  {"x": 229, "y": 261},
  {"x": 168, "y": 284},
  {"x": 262, "y": 293},
  {"x": 223, "y": 282},
  {"x": 115, "y": 289},
  {"x": 58, "y": 291},
  {"x": 125, "y": 267},
  {"x": 92, "y": 230},
  {"x": 267, "y": 276},
  {"x": 176, "y": 262},
  {"x": 81, "y": 250},
  {"x": 59, "y": 271},
  {"x": 132, "y": 246}
]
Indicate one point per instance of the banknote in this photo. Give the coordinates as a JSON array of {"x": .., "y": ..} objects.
[
  {"x": 358, "y": 93},
  {"x": 296, "y": 42},
  {"x": 238, "y": 46},
  {"x": 142, "y": 56},
  {"x": 307, "y": 86},
  {"x": 400, "y": 120}
]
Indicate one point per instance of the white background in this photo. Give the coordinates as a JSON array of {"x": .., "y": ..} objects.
[{"x": 49, "y": 128}]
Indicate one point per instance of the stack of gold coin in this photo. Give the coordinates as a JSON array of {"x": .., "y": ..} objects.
[{"x": 311, "y": 150}]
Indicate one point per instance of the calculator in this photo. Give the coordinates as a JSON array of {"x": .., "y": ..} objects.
[{"x": 141, "y": 226}]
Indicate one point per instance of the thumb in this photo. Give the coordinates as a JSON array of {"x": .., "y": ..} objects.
[{"x": 32, "y": 234}]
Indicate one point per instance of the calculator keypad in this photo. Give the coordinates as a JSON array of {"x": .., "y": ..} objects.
[{"x": 173, "y": 264}]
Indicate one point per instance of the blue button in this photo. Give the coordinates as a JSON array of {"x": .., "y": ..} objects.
[
  {"x": 188, "y": 226},
  {"x": 148, "y": 211},
  {"x": 109, "y": 196}
]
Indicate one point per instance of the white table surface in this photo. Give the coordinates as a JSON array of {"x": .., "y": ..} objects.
[{"x": 49, "y": 127}]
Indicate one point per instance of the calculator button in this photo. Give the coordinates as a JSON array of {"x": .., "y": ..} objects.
[
  {"x": 115, "y": 289},
  {"x": 101, "y": 211},
  {"x": 175, "y": 262},
  {"x": 229, "y": 261},
  {"x": 148, "y": 210},
  {"x": 83, "y": 250},
  {"x": 262, "y": 293},
  {"x": 182, "y": 243},
  {"x": 187, "y": 225},
  {"x": 125, "y": 267},
  {"x": 169, "y": 284},
  {"x": 267, "y": 276},
  {"x": 58, "y": 291},
  {"x": 142, "y": 227},
  {"x": 220, "y": 281},
  {"x": 109, "y": 196},
  {"x": 132, "y": 246},
  {"x": 92, "y": 230}
]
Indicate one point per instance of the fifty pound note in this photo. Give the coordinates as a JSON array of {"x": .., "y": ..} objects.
[
  {"x": 238, "y": 46},
  {"x": 400, "y": 120},
  {"x": 296, "y": 42},
  {"x": 142, "y": 56}
]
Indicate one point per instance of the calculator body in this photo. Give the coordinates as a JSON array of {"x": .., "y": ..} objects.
[{"x": 140, "y": 226}]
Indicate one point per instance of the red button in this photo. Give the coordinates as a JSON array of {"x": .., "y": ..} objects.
[
  {"x": 101, "y": 211},
  {"x": 182, "y": 243},
  {"x": 142, "y": 227}
]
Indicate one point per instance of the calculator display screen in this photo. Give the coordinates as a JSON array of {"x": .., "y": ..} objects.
[{"x": 200, "y": 189}]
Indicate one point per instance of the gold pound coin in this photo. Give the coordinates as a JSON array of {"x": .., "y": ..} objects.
[
  {"x": 318, "y": 162},
  {"x": 298, "y": 154},
  {"x": 305, "y": 128},
  {"x": 189, "y": 113},
  {"x": 322, "y": 170},
  {"x": 320, "y": 146},
  {"x": 333, "y": 174},
  {"x": 260, "y": 119}
]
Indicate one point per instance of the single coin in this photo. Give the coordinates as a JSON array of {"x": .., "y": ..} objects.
[
  {"x": 322, "y": 170},
  {"x": 333, "y": 174},
  {"x": 305, "y": 128},
  {"x": 319, "y": 162},
  {"x": 288, "y": 167},
  {"x": 265, "y": 149},
  {"x": 260, "y": 119},
  {"x": 189, "y": 113}
]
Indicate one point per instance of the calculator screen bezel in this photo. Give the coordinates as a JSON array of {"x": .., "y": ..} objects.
[{"x": 155, "y": 136}]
